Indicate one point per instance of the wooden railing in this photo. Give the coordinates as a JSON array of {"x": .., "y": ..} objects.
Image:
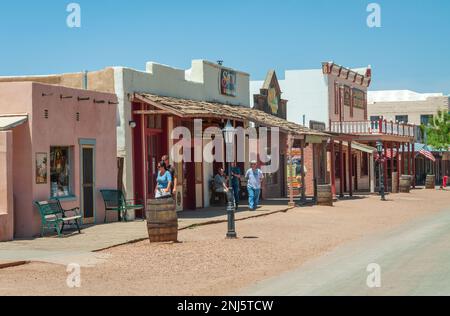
[{"x": 380, "y": 127}]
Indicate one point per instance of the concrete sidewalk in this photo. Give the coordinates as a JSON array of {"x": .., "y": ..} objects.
[{"x": 83, "y": 248}]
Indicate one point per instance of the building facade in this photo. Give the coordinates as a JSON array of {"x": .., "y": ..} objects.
[
  {"x": 328, "y": 95},
  {"x": 414, "y": 108},
  {"x": 406, "y": 106},
  {"x": 55, "y": 142}
]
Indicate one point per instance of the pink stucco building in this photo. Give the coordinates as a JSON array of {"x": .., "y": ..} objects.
[{"x": 54, "y": 142}]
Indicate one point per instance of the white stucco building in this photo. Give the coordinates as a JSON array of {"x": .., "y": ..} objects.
[
  {"x": 406, "y": 106},
  {"x": 314, "y": 93}
]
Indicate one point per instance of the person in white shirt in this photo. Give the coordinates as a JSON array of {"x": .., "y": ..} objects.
[{"x": 254, "y": 178}]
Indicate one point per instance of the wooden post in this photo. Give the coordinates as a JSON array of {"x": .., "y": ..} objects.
[
  {"x": 350, "y": 168},
  {"x": 414, "y": 165},
  {"x": 341, "y": 171},
  {"x": 409, "y": 159},
  {"x": 398, "y": 164},
  {"x": 291, "y": 178},
  {"x": 392, "y": 162},
  {"x": 402, "y": 165},
  {"x": 302, "y": 148},
  {"x": 385, "y": 171},
  {"x": 144, "y": 158},
  {"x": 333, "y": 170}
]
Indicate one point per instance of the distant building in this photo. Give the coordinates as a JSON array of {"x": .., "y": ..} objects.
[{"x": 406, "y": 106}]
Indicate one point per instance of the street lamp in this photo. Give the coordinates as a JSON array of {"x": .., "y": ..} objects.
[
  {"x": 380, "y": 169},
  {"x": 228, "y": 133}
]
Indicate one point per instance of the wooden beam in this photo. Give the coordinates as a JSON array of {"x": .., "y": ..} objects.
[{"x": 151, "y": 112}]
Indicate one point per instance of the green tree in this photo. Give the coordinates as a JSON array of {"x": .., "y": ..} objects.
[{"x": 438, "y": 131}]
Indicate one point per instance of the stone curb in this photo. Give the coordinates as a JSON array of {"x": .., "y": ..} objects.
[
  {"x": 13, "y": 264},
  {"x": 193, "y": 226}
]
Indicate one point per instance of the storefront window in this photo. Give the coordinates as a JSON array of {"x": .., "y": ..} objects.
[{"x": 60, "y": 172}]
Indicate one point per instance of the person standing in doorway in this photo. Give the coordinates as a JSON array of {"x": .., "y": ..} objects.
[
  {"x": 236, "y": 183},
  {"x": 254, "y": 178},
  {"x": 173, "y": 173},
  {"x": 163, "y": 182}
]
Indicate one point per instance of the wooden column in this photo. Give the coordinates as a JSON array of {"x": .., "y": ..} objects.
[
  {"x": 333, "y": 169},
  {"x": 402, "y": 165},
  {"x": 409, "y": 159},
  {"x": 392, "y": 164},
  {"x": 414, "y": 165},
  {"x": 341, "y": 171},
  {"x": 302, "y": 148},
  {"x": 350, "y": 169},
  {"x": 385, "y": 167},
  {"x": 398, "y": 165},
  {"x": 291, "y": 189},
  {"x": 144, "y": 158}
]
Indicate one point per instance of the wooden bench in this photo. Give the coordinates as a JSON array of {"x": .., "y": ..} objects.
[
  {"x": 54, "y": 217},
  {"x": 115, "y": 201}
]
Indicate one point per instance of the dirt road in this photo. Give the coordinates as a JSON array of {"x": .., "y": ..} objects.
[{"x": 207, "y": 264}]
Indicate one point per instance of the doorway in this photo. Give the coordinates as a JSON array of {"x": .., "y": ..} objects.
[
  {"x": 153, "y": 155},
  {"x": 88, "y": 183}
]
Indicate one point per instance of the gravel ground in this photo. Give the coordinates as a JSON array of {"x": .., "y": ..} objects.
[{"x": 204, "y": 263}]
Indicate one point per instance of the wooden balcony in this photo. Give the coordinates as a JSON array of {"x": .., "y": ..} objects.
[{"x": 380, "y": 127}]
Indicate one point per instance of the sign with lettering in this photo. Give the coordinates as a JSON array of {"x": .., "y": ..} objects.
[
  {"x": 228, "y": 82},
  {"x": 359, "y": 99},
  {"x": 318, "y": 126}
]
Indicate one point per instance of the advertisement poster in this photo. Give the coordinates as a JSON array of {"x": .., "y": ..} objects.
[
  {"x": 228, "y": 82},
  {"x": 294, "y": 172}
]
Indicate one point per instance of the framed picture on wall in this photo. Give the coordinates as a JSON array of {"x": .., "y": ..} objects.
[{"x": 41, "y": 168}]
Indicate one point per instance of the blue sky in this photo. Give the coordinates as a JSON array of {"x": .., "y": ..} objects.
[{"x": 410, "y": 50}]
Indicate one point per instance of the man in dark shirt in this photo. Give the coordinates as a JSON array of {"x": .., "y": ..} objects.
[{"x": 173, "y": 173}]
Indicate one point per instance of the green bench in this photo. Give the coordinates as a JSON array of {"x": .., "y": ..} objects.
[
  {"x": 115, "y": 201},
  {"x": 54, "y": 217}
]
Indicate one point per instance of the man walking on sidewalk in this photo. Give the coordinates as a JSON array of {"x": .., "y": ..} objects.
[{"x": 254, "y": 178}]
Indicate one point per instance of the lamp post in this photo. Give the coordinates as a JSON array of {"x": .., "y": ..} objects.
[
  {"x": 380, "y": 169},
  {"x": 228, "y": 133}
]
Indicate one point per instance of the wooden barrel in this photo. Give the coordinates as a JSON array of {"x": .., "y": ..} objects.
[
  {"x": 394, "y": 182},
  {"x": 162, "y": 220},
  {"x": 430, "y": 182},
  {"x": 324, "y": 195},
  {"x": 405, "y": 184}
]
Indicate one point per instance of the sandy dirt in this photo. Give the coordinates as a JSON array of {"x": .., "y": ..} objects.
[{"x": 204, "y": 263}]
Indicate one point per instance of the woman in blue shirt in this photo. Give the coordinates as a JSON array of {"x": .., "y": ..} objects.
[{"x": 163, "y": 182}]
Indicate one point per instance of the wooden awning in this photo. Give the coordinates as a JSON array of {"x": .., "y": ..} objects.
[{"x": 201, "y": 109}]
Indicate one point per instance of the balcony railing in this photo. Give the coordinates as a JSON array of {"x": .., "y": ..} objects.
[{"x": 380, "y": 127}]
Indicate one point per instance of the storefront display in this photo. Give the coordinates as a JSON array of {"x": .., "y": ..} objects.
[{"x": 60, "y": 171}]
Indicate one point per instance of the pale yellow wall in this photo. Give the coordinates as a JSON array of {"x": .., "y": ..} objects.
[{"x": 414, "y": 109}]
